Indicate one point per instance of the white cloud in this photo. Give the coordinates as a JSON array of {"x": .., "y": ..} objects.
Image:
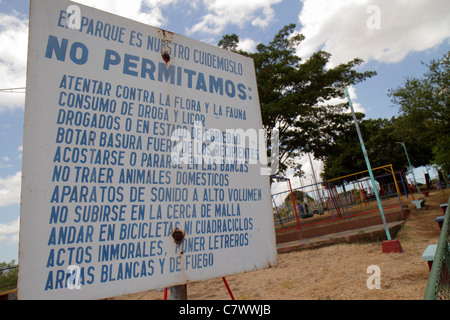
[
  {"x": 347, "y": 29},
  {"x": 236, "y": 12},
  {"x": 10, "y": 189},
  {"x": 194, "y": 4},
  {"x": 263, "y": 21},
  {"x": 13, "y": 59},
  {"x": 145, "y": 11},
  {"x": 247, "y": 44},
  {"x": 356, "y": 105},
  {"x": 353, "y": 96},
  {"x": 306, "y": 182},
  {"x": 9, "y": 233},
  {"x": 5, "y": 162}
]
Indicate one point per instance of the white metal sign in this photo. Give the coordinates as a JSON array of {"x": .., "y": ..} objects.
[{"x": 141, "y": 159}]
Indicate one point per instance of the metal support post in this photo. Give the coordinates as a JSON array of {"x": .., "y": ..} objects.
[
  {"x": 178, "y": 292},
  {"x": 369, "y": 168}
]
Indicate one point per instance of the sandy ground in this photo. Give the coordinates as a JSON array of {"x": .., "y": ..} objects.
[{"x": 337, "y": 272}]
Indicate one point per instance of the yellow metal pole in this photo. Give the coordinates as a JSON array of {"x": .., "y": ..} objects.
[
  {"x": 354, "y": 174},
  {"x": 396, "y": 185},
  {"x": 361, "y": 192}
]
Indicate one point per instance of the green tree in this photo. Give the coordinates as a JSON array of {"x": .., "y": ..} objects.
[
  {"x": 380, "y": 136},
  {"x": 8, "y": 276},
  {"x": 299, "y": 197},
  {"x": 441, "y": 153},
  {"x": 293, "y": 94},
  {"x": 345, "y": 155},
  {"x": 229, "y": 42},
  {"x": 425, "y": 105},
  {"x": 418, "y": 142}
]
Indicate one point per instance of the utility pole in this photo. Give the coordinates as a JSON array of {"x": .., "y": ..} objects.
[
  {"x": 316, "y": 189},
  {"x": 411, "y": 168}
]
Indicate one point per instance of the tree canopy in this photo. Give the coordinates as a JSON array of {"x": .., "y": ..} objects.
[
  {"x": 424, "y": 105},
  {"x": 8, "y": 276},
  {"x": 422, "y": 124},
  {"x": 380, "y": 138},
  {"x": 293, "y": 94}
]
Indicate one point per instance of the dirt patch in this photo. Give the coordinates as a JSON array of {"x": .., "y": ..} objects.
[{"x": 336, "y": 272}]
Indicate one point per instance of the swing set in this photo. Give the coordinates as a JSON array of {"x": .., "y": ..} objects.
[
  {"x": 292, "y": 208},
  {"x": 343, "y": 197}
]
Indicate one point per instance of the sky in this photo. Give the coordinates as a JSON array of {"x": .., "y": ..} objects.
[{"x": 393, "y": 37}]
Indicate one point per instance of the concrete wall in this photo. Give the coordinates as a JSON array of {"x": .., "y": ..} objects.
[{"x": 339, "y": 226}]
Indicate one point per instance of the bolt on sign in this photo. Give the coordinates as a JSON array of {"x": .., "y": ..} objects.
[{"x": 143, "y": 159}]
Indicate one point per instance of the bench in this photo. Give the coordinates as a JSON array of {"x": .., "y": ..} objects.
[
  {"x": 444, "y": 207},
  {"x": 420, "y": 204},
  {"x": 440, "y": 221},
  {"x": 428, "y": 254}
]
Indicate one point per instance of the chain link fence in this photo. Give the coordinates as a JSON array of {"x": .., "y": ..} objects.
[{"x": 438, "y": 287}]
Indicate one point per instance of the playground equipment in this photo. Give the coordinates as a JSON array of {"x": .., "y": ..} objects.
[
  {"x": 291, "y": 211},
  {"x": 340, "y": 198}
]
